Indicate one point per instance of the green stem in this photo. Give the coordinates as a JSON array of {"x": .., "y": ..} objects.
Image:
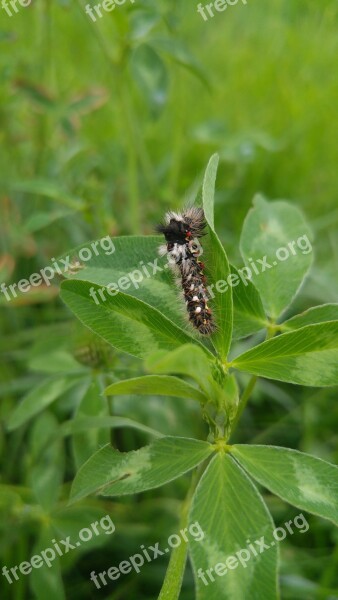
[
  {"x": 178, "y": 138},
  {"x": 136, "y": 150},
  {"x": 328, "y": 576},
  {"x": 243, "y": 401},
  {"x": 134, "y": 213},
  {"x": 174, "y": 576},
  {"x": 271, "y": 330},
  {"x": 44, "y": 74}
]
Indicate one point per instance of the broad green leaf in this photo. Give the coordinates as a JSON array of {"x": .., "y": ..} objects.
[
  {"x": 307, "y": 356},
  {"x": 113, "y": 473},
  {"x": 276, "y": 246},
  {"x": 232, "y": 514},
  {"x": 133, "y": 265},
  {"x": 161, "y": 385},
  {"x": 83, "y": 424},
  {"x": 317, "y": 314},
  {"x": 300, "y": 479},
  {"x": 249, "y": 314},
  {"x": 208, "y": 192},
  {"x": 133, "y": 261},
  {"x": 39, "y": 398},
  {"x": 46, "y": 473},
  {"x": 123, "y": 321}
]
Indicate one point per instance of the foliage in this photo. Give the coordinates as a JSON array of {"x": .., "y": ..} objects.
[
  {"x": 307, "y": 356},
  {"x": 104, "y": 126}
]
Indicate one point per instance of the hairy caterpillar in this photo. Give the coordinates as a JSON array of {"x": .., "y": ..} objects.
[{"x": 182, "y": 232}]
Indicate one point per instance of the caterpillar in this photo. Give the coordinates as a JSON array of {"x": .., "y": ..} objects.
[{"x": 182, "y": 232}]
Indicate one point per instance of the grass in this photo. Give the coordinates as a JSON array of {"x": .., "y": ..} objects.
[{"x": 106, "y": 155}]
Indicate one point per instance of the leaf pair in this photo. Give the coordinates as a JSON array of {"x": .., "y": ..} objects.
[
  {"x": 276, "y": 246},
  {"x": 226, "y": 504}
]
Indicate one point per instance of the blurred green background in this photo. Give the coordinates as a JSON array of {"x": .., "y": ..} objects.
[{"x": 103, "y": 126}]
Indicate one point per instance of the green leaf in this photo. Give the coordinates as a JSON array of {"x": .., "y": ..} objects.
[
  {"x": 231, "y": 396},
  {"x": 150, "y": 73},
  {"x": 88, "y": 102},
  {"x": 217, "y": 267},
  {"x": 135, "y": 257},
  {"x": 300, "y": 479},
  {"x": 217, "y": 271},
  {"x": 307, "y": 356},
  {"x": 249, "y": 314},
  {"x": 39, "y": 398},
  {"x": 231, "y": 512},
  {"x": 123, "y": 321},
  {"x": 181, "y": 55},
  {"x": 48, "y": 575},
  {"x": 46, "y": 474},
  {"x": 268, "y": 230},
  {"x": 54, "y": 362},
  {"x": 220, "y": 390},
  {"x": 208, "y": 192},
  {"x": 189, "y": 360},
  {"x": 40, "y": 220},
  {"x": 317, "y": 314},
  {"x": 92, "y": 405},
  {"x": 70, "y": 520},
  {"x": 161, "y": 385},
  {"x": 83, "y": 424},
  {"x": 142, "y": 22},
  {"x": 113, "y": 473},
  {"x": 50, "y": 189}
]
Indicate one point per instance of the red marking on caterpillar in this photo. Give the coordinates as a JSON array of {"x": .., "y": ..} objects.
[{"x": 182, "y": 232}]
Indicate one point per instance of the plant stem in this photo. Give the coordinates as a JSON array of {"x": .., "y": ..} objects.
[
  {"x": 243, "y": 401},
  {"x": 134, "y": 212},
  {"x": 174, "y": 576},
  {"x": 271, "y": 330},
  {"x": 328, "y": 576}
]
